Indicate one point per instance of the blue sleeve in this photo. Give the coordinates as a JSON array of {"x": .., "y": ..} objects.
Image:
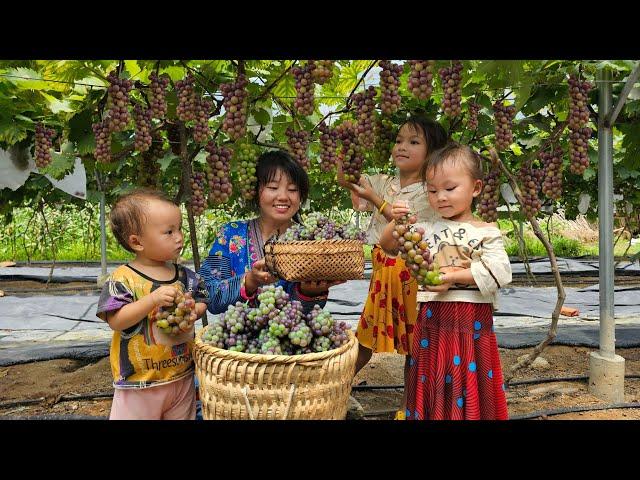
[{"x": 221, "y": 281}]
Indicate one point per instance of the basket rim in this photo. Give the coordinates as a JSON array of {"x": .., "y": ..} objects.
[
  {"x": 308, "y": 242},
  {"x": 282, "y": 359}
]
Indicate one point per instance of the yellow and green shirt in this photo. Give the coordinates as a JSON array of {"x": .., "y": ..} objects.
[{"x": 143, "y": 356}]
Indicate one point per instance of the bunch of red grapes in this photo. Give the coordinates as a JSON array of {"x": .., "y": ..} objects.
[
  {"x": 298, "y": 143},
  {"x": 451, "y": 78},
  {"x": 304, "y": 102},
  {"x": 235, "y": 104},
  {"x": 389, "y": 87},
  {"x": 503, "y": 119},
  {"x": 218, "y": 168},
  {"x": 158, "y": 94},
  {"x": 420, "y": 81},
  {"x": 43, "y": 144}
]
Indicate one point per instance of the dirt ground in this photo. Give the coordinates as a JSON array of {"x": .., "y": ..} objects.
[
  {"x": 564, "y": 361},
  {"x": 57, "y": 380},
  {"x": 20, "y": 288}
]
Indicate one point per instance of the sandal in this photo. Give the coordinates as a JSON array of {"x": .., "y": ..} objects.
[{"x": 400, "y": 415}]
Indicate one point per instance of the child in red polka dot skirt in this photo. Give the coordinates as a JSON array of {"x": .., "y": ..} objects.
[{"x": 455, "y": 371}]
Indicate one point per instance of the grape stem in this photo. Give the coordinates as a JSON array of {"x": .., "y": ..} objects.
[
  {"x": 266, "y": 91},
  {"x": 554, "y": 268},
  {"x": 218, "y": 102},
  {"x": 270, "y": 145},
  {"x": 350, "y": 97}
]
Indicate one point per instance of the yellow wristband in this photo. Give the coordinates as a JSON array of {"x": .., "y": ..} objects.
[{"x": 382, "y": 206}]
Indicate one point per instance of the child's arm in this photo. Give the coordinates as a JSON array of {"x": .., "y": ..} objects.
[
  {"x": 132, "y": 313},
  {"x": 387, "y": 242},
  {"x": 450, "y": 276},
  {"x": 364, "y": 197},
  {"x": 490, "y": 268},
  {"x": 462, "y": 276}
]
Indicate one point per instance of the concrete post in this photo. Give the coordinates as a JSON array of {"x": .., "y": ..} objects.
[
  {"x": 103, "y": 243},
  {"x": 606, "y": 369}
]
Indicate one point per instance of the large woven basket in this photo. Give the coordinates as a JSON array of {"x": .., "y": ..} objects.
[
  {"x": 315, "y": 260},
  {"x": 243, "y": 386}
]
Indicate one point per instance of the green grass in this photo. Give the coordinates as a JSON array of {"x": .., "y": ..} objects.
[
  {"x": 76, "y": 236},
  {"x": 563, "y": 247}
]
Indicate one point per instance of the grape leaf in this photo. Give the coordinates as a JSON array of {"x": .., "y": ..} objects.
[
  {"x": 261, "y": 116},
  {"x": 11, "y": 132},
  {"x": 55, "y": 105},
  {"x": 27, "y": 79}
]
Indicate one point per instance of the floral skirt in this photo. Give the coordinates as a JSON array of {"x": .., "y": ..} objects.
[
  {"x": 390, "y": 312},
  {"x": 455, "y": 371}
]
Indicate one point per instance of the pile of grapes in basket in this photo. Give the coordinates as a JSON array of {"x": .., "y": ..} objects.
[
  {"x": 318, "y": 227},
  {"x": 276, "y": 326},
  {"x": 414, "y": 250}
]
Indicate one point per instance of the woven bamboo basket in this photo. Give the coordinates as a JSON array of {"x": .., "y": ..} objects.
[
  {"x": 243, "y": 386},
  {"x": 315, "y": 260}
]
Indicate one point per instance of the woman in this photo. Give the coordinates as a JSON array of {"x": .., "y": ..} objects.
[{"x": 235, "y": 267}]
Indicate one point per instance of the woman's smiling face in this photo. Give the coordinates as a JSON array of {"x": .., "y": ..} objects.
[{"x": 279, "y": 198}]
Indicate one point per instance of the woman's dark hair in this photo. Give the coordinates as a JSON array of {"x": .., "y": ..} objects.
[
  {"x": 433, "y": 132},
  {"x": 268, "y": 165}
]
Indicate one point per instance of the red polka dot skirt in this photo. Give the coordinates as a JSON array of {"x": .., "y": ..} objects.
[{"x": 455, "y": 371}]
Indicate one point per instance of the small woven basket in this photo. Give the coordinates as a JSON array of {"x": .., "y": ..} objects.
[
  {"x": 315, "y": 260},
  {"x": 243, "y": 386}
]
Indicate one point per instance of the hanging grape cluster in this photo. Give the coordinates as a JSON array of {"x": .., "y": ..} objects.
[
  {"x": 350, "y": 153},
  {"x": 186, "y": 109},
  {"x": 503, "y": 120},
  {"x": 488, "y": 206},
  {"x": 43, "y": 144},
  {"x": 451, "y": 78},
  {"x": 385, "y": 140},
  {"x": 201, "y": 130},
  {"x": 158, "y": 94},
  {"x": 530, "y": 178},
  {"x": 474, "y": 109},
  {"x": 246, "y": 157},
  {"x": 198, "y": 202},
  {"x": 275, "y": 325},
  {"x": 578, "y": 119},
  {"x": 142, "y": 118},
  {"x": 103, "y": 142},
  {"x": 118, "y": 101},
  {"x": 298, "y": 143},
  {"x": 578, "y": 101},
  {"x": 173, "y": 135},
  {"x": 217, "y": 168},
  {"x": 579, "y": 150},
  {"x": 321, "y": 70},
  {"x": 304, "y": 102},
  {"x": 552, "y": 168},
  {"x": 328, "y": 147},
  {"x": 148, "y": 168},
  {"x": 420, "y": 81},
  {"x": 235, "y": 104},
  {"x": 389, "y": 87},
  {"x": 366, "y": 117}
]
